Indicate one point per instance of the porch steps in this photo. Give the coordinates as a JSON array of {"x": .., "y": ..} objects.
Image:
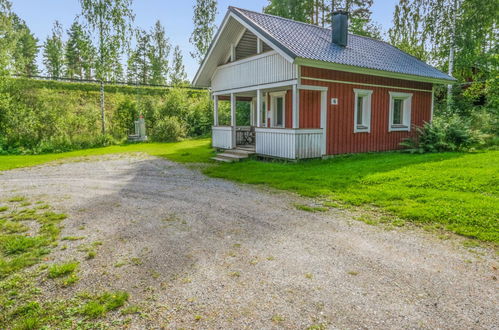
[{"x": 234, "y": 155}]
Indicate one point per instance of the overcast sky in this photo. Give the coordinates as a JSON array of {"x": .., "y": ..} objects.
[{"x": 175, "y": 15}]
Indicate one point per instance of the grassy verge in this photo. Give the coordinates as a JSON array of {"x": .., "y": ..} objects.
[
  {"x": 454, "y": 191},
  {"x": 28, "y": 234},
  {"x": 189, "y": 151}
]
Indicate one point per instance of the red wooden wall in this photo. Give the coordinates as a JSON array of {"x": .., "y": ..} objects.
[{"x": 340, "y": 118}]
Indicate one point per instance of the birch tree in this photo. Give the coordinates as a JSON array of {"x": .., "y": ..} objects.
[
  {"x": 204, "y": 27},
  {"x": 112, "y": 21}
]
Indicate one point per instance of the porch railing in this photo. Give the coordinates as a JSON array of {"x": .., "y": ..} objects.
[
  {"x": 222, "y": 137},
  {"x": 290, "y": 143}
]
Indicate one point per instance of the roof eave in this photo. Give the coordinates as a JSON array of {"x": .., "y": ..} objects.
[{"x": 374, "y": 72}]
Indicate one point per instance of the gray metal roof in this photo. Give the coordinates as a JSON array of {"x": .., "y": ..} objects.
[{"x": 302, "y": 40}]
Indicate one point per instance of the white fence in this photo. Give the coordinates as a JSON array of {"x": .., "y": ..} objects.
[
  {"x": 290, "y": 143},
  {"x": 222, "y": 137}
]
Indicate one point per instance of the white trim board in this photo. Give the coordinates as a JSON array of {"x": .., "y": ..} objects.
[
  {"x": 285, "y": 83},
  {"x": 365, "y": 84}
]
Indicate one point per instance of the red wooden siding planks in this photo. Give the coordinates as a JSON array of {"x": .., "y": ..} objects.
[{"x": 340, "y": 118}]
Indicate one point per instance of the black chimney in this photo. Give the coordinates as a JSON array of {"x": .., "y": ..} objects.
[{"x": 340, "y": 27}]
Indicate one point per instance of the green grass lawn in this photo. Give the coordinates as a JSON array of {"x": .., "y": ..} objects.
[
  {"x": 455, "y": 191},
  {"x": 189, "y": 151}
]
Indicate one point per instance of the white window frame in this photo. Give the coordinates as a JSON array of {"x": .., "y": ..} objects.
[
  {"x": 273, "y": 106},
  {"x": 406, "y": 115},
  {"x": 366, "y": 111}
]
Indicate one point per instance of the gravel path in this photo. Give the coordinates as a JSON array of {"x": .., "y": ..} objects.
[{"x": 196, "y": 252}]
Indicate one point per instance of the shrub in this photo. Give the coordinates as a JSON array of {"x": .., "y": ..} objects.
[
  {"x": 443, "y": 134},
  {"x": 168, "y": 129}
]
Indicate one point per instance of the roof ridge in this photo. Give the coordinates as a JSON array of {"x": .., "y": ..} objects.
[
  {"x": 279, "y": 17},
  {"x": 300, "y": 22}
]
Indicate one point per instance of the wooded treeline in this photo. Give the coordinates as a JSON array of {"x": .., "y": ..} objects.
[{"x": 79, "y": 53}]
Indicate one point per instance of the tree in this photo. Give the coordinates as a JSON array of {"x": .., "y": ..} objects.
[
  {"x": 408, "y": 33},
  {"x": 204, "y": 27},
  {"x": 8, "y": 38},
  {"x": 178, "y": 76},
  {"x": 318, "y": 12},
  {"x": 457, "y": 36},
  {"x": 53, "y": 52},
  {"x": 159, "y": 53},
  {"x": 79, "y": 53},
  {"x": 111, "y": 20},
  {"x": 26, "y": 50},
  {"x": 140, "y": 59},
  {"x": 298, "y": 10}
]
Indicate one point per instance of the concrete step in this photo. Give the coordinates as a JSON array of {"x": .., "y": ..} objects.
[
  {"x": 247, "y": 149},
  {"x": 238, "y": 152},
  {"x": 220, "y": 159},
  {"x": 233, "y": 155}
]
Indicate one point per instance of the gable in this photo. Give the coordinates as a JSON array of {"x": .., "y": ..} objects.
[{"x": 234, "y": 32}]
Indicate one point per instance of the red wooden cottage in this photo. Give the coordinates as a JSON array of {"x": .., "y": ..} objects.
[{"x": 313, "y": 91}]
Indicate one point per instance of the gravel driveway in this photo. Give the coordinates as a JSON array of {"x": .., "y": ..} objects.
[{"x": 196, "y": 252}]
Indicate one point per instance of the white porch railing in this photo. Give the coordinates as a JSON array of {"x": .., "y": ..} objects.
[
  {"x": 290, "y": 143},
  {"x": 222, "y": 137}
]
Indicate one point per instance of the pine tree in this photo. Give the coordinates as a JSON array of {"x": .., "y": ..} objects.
[
  {"x": 26, "y": 49},
  {"x": 79, "y": 53},
  {"x": 53, "y": 52},
  {"x": 178, "y": 76},
  {"x": 204, "y": 27},
  {"x": 159, "y": 53}
]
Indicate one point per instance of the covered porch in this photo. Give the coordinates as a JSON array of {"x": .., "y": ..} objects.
[{"x": 274, "y": 128}]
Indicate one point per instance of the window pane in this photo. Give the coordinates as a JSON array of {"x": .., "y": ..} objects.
[
  {"x": 360, "y": 110},
  {"x": 279, "y": 111},
  {"x": 398, "y": 110},
  {"x": 263, "y": 117}
]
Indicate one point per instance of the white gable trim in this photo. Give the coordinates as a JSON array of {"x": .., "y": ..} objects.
[{"x": 247, "y": 27}]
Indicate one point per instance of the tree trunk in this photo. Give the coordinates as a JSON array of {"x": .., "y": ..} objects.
[
  {"x": 451, "y": 54},
  {"x": 103, "y": 118}
]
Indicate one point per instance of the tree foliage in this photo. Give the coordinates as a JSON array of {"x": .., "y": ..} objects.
[
  {"x": 424, "y": 29},
  {"x": 159, "y": 53},
  {"x": 204, "y": 27},
  {"x": 178, "y": 76},
  {"x": 26, "y": 49},
  {"x": 79, "y": 53},
  {"x": 319, "y": 12},
  {"x": 53, "y": 52},
  {"x": 112, "y": 21}
]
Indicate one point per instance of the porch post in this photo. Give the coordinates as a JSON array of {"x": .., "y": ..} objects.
[
  {"x": 233, "y": 118},
  {"x": 324, "y": 119},
  {"x": 296, "y": 106},
  {"x": 258, "y": 107},
  {"x": 215, "y": 110}
]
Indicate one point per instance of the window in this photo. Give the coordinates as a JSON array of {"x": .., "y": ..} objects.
[
  {"x": 362, "y": 111},
  {"x": 278, "y": 109},
  {"x": 400, "y": 112}
]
